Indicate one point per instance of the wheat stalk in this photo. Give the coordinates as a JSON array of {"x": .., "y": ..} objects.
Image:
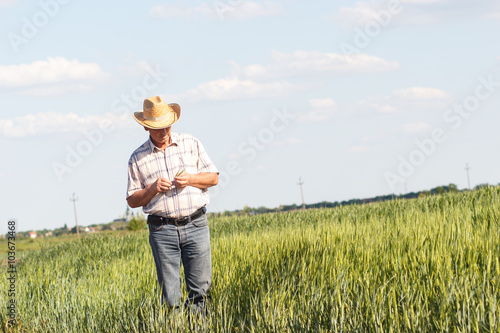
[{"x": 180, "y": 172}]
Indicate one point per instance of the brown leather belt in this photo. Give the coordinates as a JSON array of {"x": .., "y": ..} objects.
[{"x": 159, "y": 220}]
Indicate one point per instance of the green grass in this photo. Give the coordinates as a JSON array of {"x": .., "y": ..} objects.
[
  {"x": 24, "y": 244},
  {"x": 426, "y": 265}
]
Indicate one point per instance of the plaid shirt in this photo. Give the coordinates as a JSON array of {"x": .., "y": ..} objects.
[{"x": 148, "y": 163}]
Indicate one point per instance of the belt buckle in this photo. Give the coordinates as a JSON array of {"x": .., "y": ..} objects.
[{"x": 182, "y": 221}]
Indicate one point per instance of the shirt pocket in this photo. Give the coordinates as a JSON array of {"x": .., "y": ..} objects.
[
  {"x": 150, "y": 172},
  {"x": 188, "y": 164}
]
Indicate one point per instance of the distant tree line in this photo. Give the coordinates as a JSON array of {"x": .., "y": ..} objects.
[{"x": 326, "y": 204}]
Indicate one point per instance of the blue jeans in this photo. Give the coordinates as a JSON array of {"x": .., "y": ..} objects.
[{"x": 191, "y": 245}]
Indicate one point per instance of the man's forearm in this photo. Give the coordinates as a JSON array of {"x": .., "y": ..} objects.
[
  {"x": 142, "y": 197},
  {"x": 204, "y": 179}
]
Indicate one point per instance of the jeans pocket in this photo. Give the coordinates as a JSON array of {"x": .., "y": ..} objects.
[
  {"x": 202, "y": 221},
  {"x": 155, "y": 227}
]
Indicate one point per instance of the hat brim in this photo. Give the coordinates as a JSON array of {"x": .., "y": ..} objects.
[{"x": 169, "y": 121}]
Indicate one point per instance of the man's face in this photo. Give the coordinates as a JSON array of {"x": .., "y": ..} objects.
[{"x": 160, "y": 136}]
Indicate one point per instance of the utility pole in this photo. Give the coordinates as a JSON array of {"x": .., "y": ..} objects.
[
  {"x": 302, "y": 193},
  {"x": 76, "y": 219},
  {"x": 467, "y": 168}
]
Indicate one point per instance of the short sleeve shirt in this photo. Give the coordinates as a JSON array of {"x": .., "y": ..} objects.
[{"x": 148, "y": 163}]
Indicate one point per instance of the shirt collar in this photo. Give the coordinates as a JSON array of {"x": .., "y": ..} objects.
[{"x": 173, "y": 136}]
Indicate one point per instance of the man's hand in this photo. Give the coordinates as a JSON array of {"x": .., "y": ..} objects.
[
  {"x": 200, "y": 180},
  {"x": 183, "y": 180},
  {"x": 142, "y": 197},
  {"x": 162, "y": 185}
]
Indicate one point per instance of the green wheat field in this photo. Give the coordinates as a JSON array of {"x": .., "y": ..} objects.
[{"x": 425, "y": 265}]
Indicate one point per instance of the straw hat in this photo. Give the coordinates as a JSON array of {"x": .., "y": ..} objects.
[{"x": 157, "y": 114}]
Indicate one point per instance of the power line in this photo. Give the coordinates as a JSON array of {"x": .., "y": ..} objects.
[
  {"x": 76, "y": 219},
  {"x": 302, "y": 192},
  {"x": 467, "y": 168}
]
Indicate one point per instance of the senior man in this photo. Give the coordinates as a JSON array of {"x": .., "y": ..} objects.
[{"x": 169, "y": 176}]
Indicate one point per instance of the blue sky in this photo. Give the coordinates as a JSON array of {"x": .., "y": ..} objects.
[{"x": 359, "y": 98}]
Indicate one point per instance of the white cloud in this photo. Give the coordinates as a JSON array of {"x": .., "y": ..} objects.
[
  {"x": 262, "y": 167},
  {"x": 54, "y": 122},
  {"x": 323, "y": 109},
  {"x": 368, "y": 138},
  {"x": 233, "y": 156},
  {"x": 422, "y": 2},
  {"x": 175, "y": 10},
  {"x": 247, "y": 10},
  {"x": 56, "y": 90},
  {"x": 231, "y": 88},
  {"x": 414, "y": 12},
  {"x": 360, "y": 14},
  {"x": 285, "y": 142},
  {"x": 323, "y": 103},
  {"x": 7, "y": 3},
  {"x": 301, "y": 63},
  {"x": 358, "y": 149},
  {"x": 379, "y": 103},
  {"x": 54, "y": 70},
  {"x": 494, "y": 15},
  {"x": 365, "y": 12},
  {"x": 418, "y": 127},
  {"x": 294, "y": 141},
  {"x": 409, "y": 99},
  {"x": 256, "y": 81},
  {"x": 233, "y": 10},
  {"x": 421, "y": 93}
]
